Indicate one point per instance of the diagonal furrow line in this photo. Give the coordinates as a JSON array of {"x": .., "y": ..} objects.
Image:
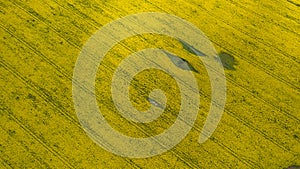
[
  {"x": 240, "y": 119},
  {"x": 35, "y": 88},
  {"x": 249, "y": 35},
  {"x": 62, "y": 71},
  {"x": 255, "y": 64},
  {"x": 266, "y": 70},
  {"x": 251, "y": 162},
  {"x": 270, "y": 45},
  {"x": 69, "y": 78},
  {"x": 294, "y": 160},
  {"x": 283, "y": 111},
  {"x": 230, "y": 151},
  {"x": 49, "y": 99},
  {"x": 265, "y": 18},
  {"x": 294, "y": 3},
  {"x": 260, "y": 67},
  {"x": 5, "y": 163},
  {"x": 288, "y": 8},
  {"x": 248, "y": 61},
  {"x": 33, "y": 135},
  {"x": 232, "y": 114},
  {"x": 291, "y": 85},
  {"x": 237, "y": 118},
  {"x": 198, "y": 129},
  {"x": 283, "y": 5},
  {"x": 247, "y": 90},
  {"x": 220, "y": 19},
  {"x": 41, "y": 162}
]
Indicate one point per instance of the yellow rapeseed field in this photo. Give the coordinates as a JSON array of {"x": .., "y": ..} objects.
[{"x": 257, "y": 41}]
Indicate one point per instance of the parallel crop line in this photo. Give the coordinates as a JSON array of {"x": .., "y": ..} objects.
[
  {"x": 239, "y": 119},
  {"x": 294, "y": 3},
  {"x": 235, "y": 155},
  {"x": 230, "y": 151},
  {"x": 25, "y": 128},
  {"x": 295, "y": 59},
  {"x": 249, "y": 35},
  {"x": 41, "y": 162},
  {"x": 265, "y": 18},
  {"x": 258, "y": 66},
  {"x": 45, "y": 96},
  {"x": 282, "y": 4},
  {"x": 58, "y": 106},
  {"x": 243, "y": 88},
  {"x": 61, "y": 70},
  {"x": 251, "y": 63},
  {"x": 241, "y": 31},
  {"x": 5, "y": 163},
  {"x": 35, "y": 88}
]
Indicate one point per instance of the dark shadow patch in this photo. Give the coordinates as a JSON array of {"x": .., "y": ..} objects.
[
  {"x": 180, "y": 62},
  {"x": 31, "y": 97},
  {"x": 190, "y": 48},
  {"x": 293, "y": 167},
  {"x": 227, "y": 60}
]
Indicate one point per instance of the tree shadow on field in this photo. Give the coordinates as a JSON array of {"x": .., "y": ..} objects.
[{"x": 228, "y": 60}]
